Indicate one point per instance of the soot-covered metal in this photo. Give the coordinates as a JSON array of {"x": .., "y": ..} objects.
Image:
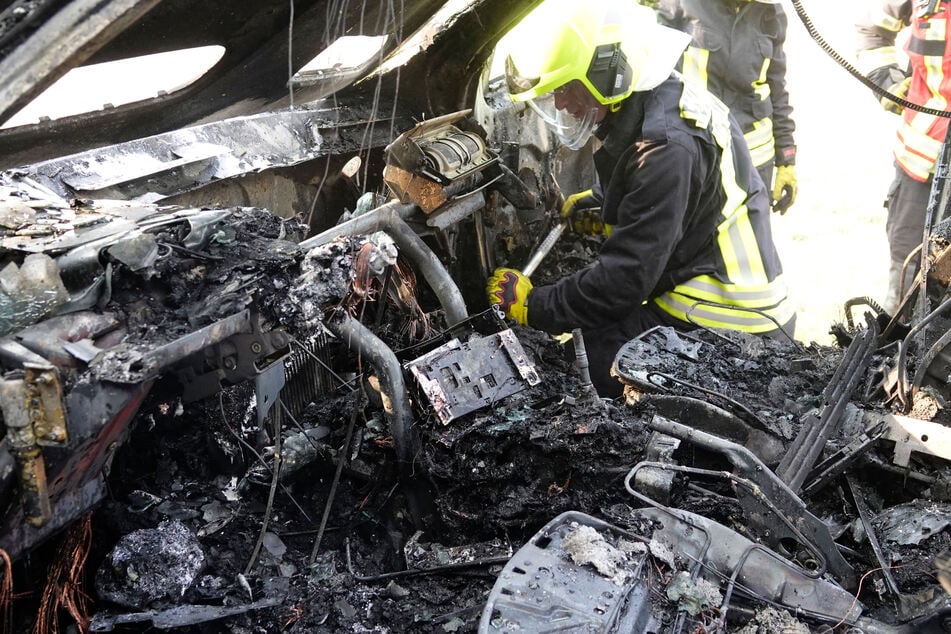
[{"x": 249, "y": 380}]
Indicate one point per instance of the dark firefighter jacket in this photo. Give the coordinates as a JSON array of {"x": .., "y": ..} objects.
[
  {"x": 683, "y": 228},
  {"x": 737, "y": 53}
]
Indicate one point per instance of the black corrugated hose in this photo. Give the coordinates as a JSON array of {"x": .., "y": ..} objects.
[{"x": 844, "y": 63}]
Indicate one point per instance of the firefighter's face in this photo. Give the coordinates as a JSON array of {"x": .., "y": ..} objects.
[{"x": 574, "y": 98}]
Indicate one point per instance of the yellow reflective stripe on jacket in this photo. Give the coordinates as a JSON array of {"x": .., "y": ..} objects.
[
  {"x": 760, "y": 138},
  {"x": 740, "y": 249},
  {"x": 887, "y": 22},
  {"x": 915, "y": 149},
  {"x": 748, "y": 285},
  {"x": 761, "y": 143},
  {"x": 760, "y": 87},
  {"x": 934, "y": 64},
  {"x": 692, "y": 310},
  {"x": 921, "y": 135},
  {"x": 873, "y": 58},
  {"x": 735, "y": 236},
  {"x": 695, "y": 65}
]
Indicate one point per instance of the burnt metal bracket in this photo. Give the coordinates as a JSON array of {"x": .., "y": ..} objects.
[
  {"x": 838, "y": 462},
  {"x": 657, "y": 483},
  {"x": 912, "y": 435},
  {"x": 267, "y": 389},
  {"x": 44, "y": 397},
  {"x": 32, "y": 404},
  {"x": 240, "y": 357},
  {"x": 751, "y": 567},
  {"x": 771, "y": 495},
  {"x": 460, "y": 377}
]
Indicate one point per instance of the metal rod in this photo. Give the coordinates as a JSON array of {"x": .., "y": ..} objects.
[
  {"x": 485, "y": 268},
  {"x": 866, "y": 520},
  {"x": 543, "y": 249},
  {"x": 739, "y": 406},
  {"x": 757, "y": 311},
  {"x": 275, "y": 480},
  {"x": 341, "y": 460}
]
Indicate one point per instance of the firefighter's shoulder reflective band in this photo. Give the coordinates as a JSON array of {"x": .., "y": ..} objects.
[{"x": 695, "y": 65}]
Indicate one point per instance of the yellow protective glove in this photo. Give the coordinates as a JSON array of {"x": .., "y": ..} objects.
[
  {"x": 899, "y": 89},
  {"x": 509, "y": 289},
  {"x": 785, "y": 188},
  {"x": 582, "y": 212}
]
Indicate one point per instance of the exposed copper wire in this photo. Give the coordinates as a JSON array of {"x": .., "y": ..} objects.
[
  {"x": 64, "y": 582},
  {"x": 6, "y": 593}
]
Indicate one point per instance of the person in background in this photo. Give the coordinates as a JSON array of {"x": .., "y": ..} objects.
[
  {"x": 925, "y": 80},
  {"x": 736, "y": 52},
  {"x": 687, "y": 216}
]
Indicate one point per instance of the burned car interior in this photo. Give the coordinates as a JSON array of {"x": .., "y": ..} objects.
[{"x": 250, "y": 381}]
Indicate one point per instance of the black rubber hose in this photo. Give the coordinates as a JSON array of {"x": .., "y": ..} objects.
[
  {"x": 397, "y": 407},
  {"x": 844, "y": 63}
]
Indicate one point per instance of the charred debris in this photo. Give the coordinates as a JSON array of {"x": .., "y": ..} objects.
[
  {"x": 220, "y": 418},
  {"x": 213, "y": 420}
]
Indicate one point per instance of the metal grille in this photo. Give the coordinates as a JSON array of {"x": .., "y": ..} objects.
[{"x": 308, "y": 373}]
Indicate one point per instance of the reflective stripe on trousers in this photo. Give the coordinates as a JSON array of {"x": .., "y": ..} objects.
[{"x": 725, "y": 314}]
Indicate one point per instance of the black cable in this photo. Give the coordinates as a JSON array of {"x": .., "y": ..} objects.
[
  {"x": 852, "y": 70},
  {"x": 903, "y": 346},
  {"x": 860, "y": 301},
  {"x": 344, "y": 450},
  {"x": 757, "y": 311}
]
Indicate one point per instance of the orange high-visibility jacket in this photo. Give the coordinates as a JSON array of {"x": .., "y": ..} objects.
[{"x": 920, "y": 135}]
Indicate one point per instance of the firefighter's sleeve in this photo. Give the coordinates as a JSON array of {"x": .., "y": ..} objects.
[
  {"x": 650, "y": 219},
  {"x": 783, "y": 124},
  {"x": 876, "y": 34}
]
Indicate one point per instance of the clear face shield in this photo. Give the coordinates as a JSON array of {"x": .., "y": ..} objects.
[
  {"x": 570, "y": 111},
  {"x": 573, "y": 125}
]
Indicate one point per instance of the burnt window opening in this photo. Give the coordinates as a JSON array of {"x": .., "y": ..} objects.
[
  {"x": 347, "y": 59},
  {"x": 112, "y": 84}
]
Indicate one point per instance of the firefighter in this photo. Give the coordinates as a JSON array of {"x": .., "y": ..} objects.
[
  {"x": 736, "y": 51},
  {"x": 687, "y": 215},
  {"x": 925, "y": 81}
]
